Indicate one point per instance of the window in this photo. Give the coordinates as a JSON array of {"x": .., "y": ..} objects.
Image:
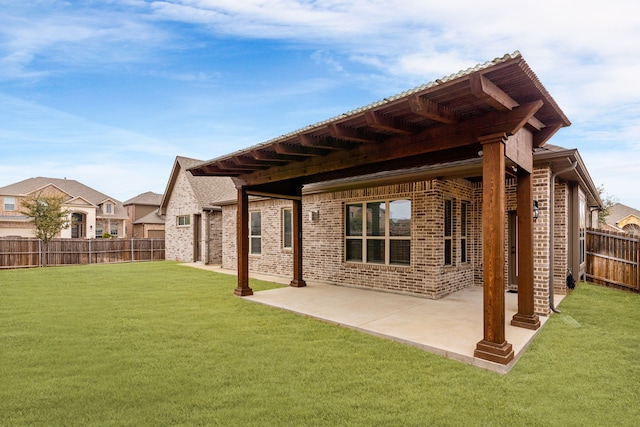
[
  {"x": 583, "y": 227},
  {"x": 183, "y": 220},
  {"x": 98, "y": 233},
  {"x": 114, "y": 232},
  {"x": 255, "y": 233},
  {"x": 464, "y": 231},
  {"x": 108, "y": 208},
  {"x": 378, "y": 232},
  {"x": 448, "y": 232},
  {"x": 287, "y": 231},
  {"x": 9, "y": 203}
]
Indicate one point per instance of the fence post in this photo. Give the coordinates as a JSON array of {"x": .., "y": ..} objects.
[{"x": 152, "y": 258}]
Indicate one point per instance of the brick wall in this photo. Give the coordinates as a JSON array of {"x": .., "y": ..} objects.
[
  {"x": 323, "y": 238},
  {"x": 179, "y": 239}
]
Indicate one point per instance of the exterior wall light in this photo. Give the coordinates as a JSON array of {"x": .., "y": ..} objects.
[{"x": 536, "y": 211}]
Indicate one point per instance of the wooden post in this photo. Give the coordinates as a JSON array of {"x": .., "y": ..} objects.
[
  {"x": 525, "y": 317},
  {"x": 493, "y": 347},
  {"x": 242, "y": 237},
  {"x": 298, "y": 281}
]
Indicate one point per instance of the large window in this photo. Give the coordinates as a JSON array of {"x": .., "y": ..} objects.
[
  {"x": 378, "y": 232},
  {"x": 9, "y": 203},
  {"x": 255, "y": 233},
  {"x": 287, "y": 232}
]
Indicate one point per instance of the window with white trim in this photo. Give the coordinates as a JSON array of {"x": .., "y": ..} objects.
[
  {"x": 9, "y": 203},
  {"x": 183, "y": 220},
  {"x": 287, "y": 230},
  {"x": 255, "y": 233},
  {"x": 378, "y": 232}
]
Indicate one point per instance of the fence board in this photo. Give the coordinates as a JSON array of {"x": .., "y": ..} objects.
[
  {"x": 23, "y": 253},
  {"x": 613, "y": 259}
]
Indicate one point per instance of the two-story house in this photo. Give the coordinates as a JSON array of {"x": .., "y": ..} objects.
[{"x": 93, "y": 214}]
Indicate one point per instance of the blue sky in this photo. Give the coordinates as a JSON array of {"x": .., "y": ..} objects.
[{"x": 109, "y": 92}]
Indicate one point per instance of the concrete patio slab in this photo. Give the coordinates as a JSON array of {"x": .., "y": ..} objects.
[{"x": 450, "y": 327}]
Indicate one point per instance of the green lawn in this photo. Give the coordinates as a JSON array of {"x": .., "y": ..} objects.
[{"x": 162, "y": 344}]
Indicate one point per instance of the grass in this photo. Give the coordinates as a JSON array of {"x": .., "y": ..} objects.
[{"x": 161, "y": 344}]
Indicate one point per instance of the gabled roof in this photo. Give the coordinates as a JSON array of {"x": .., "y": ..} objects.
[
  {"x": 149, "y": 198},
  {"x": 208, "y": 190},
  {"x": 71, "y": 187},
  {"x": 618, "y": 212},
  {"x": 151, "y": 218}
]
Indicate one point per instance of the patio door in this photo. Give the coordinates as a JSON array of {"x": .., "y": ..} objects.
[{"x": 512, "y": 259}]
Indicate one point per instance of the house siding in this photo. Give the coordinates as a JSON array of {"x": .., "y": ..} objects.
[
  {"x": 323, "y": 238},
  {"x": 179, "y": 239}
]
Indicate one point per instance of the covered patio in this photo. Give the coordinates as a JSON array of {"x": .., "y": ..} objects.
[
  {"x": 447, "y": 327},
  {"x": 497, "y": 111}
]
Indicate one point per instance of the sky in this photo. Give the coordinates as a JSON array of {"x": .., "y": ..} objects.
[{"x": 109, "y": 92}]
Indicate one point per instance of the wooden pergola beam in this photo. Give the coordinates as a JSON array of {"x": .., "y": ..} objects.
[
  {"x": 349, "y": 134},
  {"x": 324, "y": 143},
  {"x": 485, "y": 90},
  {"x": 387, "y": 123},
  {"x": 431, "y": 110},
  {"x": 436, "y": 138}
]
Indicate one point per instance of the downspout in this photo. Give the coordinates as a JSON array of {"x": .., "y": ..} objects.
[{"x": 552, "y": 207}]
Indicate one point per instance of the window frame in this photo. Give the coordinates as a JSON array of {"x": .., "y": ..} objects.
[
  {"x": 255, "y": 237},
  {"x": 465, "y": 223},
  {"x": 369, "y": 235},
  {"x": 185, "y": 223},
  {"x": 287, "y": 235},
  {"x": 13, "y": 204},
  {"x": 448, "y": 232}
]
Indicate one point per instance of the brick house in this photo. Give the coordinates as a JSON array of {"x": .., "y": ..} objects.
[
  {"x": 623, "y": 219},
  {"x": 144, "y": 219},
  {"x": 92, "y": 213},
  {"x": 443, "y": 187},
  {"x": 192, "y": 222}
]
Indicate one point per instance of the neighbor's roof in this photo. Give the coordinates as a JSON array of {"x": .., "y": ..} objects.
[
  {"x": 208, "y": 190},
  {"x": 151, "y": 218},
  {"x": 149, "y": 198},
  {"x": 618, "y": 212}
]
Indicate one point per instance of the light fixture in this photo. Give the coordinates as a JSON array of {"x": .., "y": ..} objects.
[{"x": 536, "y": 211}]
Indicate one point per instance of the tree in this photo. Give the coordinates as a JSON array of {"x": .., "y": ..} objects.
[
  {"x": 47, "y": 214},
  {"x": 607, "y": 201}
]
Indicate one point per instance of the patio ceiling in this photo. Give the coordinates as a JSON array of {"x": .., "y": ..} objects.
[{"x": 440, "y": 122}]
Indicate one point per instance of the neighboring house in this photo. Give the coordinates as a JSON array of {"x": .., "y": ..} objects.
[
  {"x": 144, "y": 219},
  {"x": 91, "y": 212},
  {"x": 423, "y": 193},
  {"x": 623, "y": 219},
  {"x": 193, "y": 222}
]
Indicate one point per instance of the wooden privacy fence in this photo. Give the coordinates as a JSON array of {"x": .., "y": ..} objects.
[
  {"x": 19, "y": 253},
  {"x": 613, "y": 259}
]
